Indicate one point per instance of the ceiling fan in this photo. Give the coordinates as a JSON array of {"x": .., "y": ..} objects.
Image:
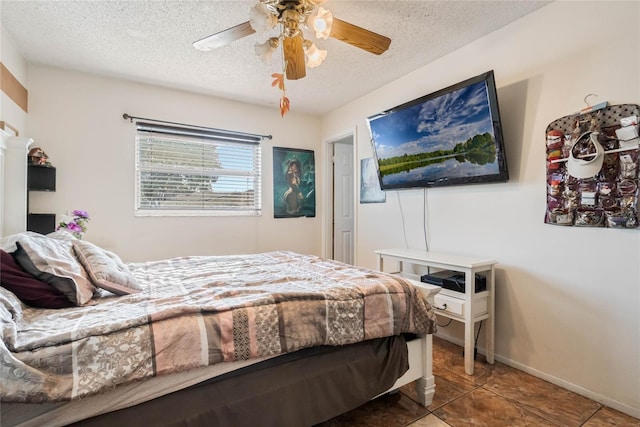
[{"x": 293, "y": 16}]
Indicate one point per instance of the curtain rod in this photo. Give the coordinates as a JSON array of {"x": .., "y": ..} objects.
[{"x": 131, "y": 118}]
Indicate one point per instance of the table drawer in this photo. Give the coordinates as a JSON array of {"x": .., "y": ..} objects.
[{"x": 445, "y": 303}]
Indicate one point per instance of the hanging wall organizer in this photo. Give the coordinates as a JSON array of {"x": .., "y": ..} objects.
[{"x": 592, "y": 168}]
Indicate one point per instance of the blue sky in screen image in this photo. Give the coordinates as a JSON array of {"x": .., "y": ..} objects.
[{"x": 437, "y": 124}]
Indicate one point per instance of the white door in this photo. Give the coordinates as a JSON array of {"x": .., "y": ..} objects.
[{"x": 343, "y": 201}]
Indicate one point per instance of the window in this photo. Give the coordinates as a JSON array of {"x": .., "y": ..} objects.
[{"x": 196, "y": 171}]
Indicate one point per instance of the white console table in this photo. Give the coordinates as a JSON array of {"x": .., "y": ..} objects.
[{"x": 469, "y": 307}]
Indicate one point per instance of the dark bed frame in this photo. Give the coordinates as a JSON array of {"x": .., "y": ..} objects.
[{"x": 298, "y": 389}]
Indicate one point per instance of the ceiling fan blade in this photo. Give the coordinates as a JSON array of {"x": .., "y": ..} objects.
[
  {"x": 294, "y": 55},
  {"x": 224, "y": 37},
  {"x": 359, "y": 37}
]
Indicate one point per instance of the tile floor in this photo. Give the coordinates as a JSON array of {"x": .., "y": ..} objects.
[{"x": 494, "y": 396}]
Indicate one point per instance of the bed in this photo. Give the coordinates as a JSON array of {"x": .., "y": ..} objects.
[{"x": 277, "y": 338}]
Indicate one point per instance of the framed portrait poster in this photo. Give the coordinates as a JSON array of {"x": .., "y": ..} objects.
[
  {"x": 294, "y": 183},
  {"x": 370, "y": 191}
]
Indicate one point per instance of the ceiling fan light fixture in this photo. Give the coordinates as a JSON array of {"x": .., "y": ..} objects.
[
  {"x": 289, "y": 18},
  {"x": 314, "y": 56},
  {"x": 291, "y": 22},
  {"x": 265, "y": 50},
  {"x": 261, "y": 19},
  {"x": 321, "y": 21}
]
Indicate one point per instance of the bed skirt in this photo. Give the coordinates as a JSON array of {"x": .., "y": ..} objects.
[{"x": 298, "y": 389}]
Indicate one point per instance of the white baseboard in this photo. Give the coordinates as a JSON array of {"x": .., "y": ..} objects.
[{"x": 614, "y": 404}]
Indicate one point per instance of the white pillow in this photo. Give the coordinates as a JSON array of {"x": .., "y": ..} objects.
[{"x": 106, "y": 269}]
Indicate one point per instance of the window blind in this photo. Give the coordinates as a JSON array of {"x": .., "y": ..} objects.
[{"x": 185, "y": 171}]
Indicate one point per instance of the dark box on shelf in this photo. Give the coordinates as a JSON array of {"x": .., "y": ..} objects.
[
  {"x": 41, "y": 223},
  {"x": 453, "y": 280},
  {"x": 41, "y": 178}
]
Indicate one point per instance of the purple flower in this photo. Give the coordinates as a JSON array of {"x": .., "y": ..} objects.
[
  {"x": 77, "y": 225},
  {"x": 74, "y": 228},
  {"x": 81, "y": 214}
]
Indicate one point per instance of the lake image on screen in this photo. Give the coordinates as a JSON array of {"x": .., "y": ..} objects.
[{"x": 447, "y": 137}]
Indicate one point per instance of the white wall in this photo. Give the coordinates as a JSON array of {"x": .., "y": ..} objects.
[
  {"x": 77, "y": 119},
  {"x": 10, "y": 112},
  {"x": 568, "y": 299}
]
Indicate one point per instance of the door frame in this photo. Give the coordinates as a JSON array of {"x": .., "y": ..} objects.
[{"x": 327, "y": 226}]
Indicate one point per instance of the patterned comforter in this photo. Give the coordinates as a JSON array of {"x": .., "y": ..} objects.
[{"x": 197, "y": 311}]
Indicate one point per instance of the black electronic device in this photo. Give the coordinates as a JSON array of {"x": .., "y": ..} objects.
[
  {"x": 437, "y": 278},
  {"x": 454, "y": 281}
]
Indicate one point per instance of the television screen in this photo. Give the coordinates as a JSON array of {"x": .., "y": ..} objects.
[{"x": 450, "y": 137}]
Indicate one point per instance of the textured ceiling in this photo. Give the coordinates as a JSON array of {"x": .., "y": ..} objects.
[{"x": 151, "y": 41}]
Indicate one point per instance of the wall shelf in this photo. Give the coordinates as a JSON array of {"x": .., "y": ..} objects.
[{"x": 40, "y": 178}]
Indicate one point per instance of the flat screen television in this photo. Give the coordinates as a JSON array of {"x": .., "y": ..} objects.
[{"x": 449, "y": 137}]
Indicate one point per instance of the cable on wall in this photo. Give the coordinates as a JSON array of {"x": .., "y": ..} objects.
[
  {"x": 404, "y": 229},
  {"x": 475, "y": 347},
  {"x": 212, "y": 132},
  {"x": 424, "y": 228},
  {"x": 424, "y": 220}
]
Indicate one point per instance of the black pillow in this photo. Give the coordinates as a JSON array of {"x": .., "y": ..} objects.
[{"x": 27, "y": 288}]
